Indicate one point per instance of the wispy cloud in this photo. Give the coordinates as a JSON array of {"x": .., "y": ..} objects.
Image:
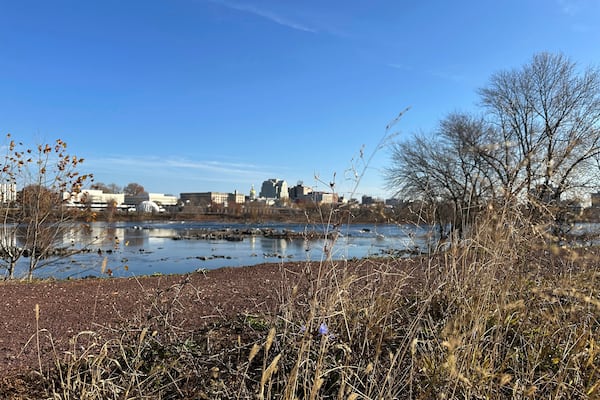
[
  {"x": 572, "y": 8},
  {"x": 402, "y": 67},
  {"x": 447, "y": 75},
  {"x": 176, "y": 174},
  {"x": 265, "y": 14},
  {"x": 151, "y": 163},
  {"x": 583, "y": 28},
  {"x": 569, "y": 7},
  {"x": 576, "y": 11}
]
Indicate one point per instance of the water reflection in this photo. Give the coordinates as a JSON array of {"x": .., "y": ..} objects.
[
  {"x": 175, "y": 247},
  {"x": 133, "y": 237}
]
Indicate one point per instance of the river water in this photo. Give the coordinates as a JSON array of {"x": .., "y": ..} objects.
[{"x": 133, "y": 249}]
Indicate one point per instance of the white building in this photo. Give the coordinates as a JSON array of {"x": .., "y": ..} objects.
[
  {"x": 94, "y": 198},
  {"x": 324, "y": 198},
  {"x": 98, "y": 200},
  {"x": 163, "y": 200}
]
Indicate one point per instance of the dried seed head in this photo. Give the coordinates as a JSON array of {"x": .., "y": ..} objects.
[
  {"x": 505, "y": 379},
  {"x": 253, "y": 352},
  {"x": 270, "y": 339},
  {"x": 270, "y": 370}
]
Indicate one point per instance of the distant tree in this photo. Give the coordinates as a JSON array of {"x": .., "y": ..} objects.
[
  {"x": 113, "y": 188},
  {"x": 441, "y": 170},
  {"x": 99, "y": 186},
  {"x": 134, "y": 189},
  {"x": 34, "y": 224},
  {"x": 106, "y": 188}
]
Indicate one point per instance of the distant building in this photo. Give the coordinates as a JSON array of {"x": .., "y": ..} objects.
[
  {"x": 95, "y": 198},
  {"x": 163, "y": 200},
  {"x": 274, "y": 189},
  {"x": 393, "y": 202},
  {"x": 324, "y": 197},
  {"x": 299, "y": 193},
  {"x": 304, "y": 194},
  {"x": 98, "y": 200},
  {"x": 203, "y": 198},
  {"x": 236, "y": 198},
  {"x": 148, "y": 207},
  {"x": 207, "y": 198},
  {"x": 369, "y": 200}
]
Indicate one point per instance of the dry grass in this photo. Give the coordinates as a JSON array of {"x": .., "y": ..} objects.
[{"x": 504, "y": 314}]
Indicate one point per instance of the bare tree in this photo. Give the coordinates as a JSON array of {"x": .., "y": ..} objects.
[
  {"x": 99, "y": 186},
  {"x": 106, "y": 188},
  {"x": 10, "y": 251},
  {"x": 113, "y": 188},
  {"x": 547, "y": 124},
  {"x": 134, "y": 189},
  {"x": 36, "y": 221},
  {"x": 442, "y": 170}
]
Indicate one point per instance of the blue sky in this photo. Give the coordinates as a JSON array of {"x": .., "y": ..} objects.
[{"x": 219, "y": 95}]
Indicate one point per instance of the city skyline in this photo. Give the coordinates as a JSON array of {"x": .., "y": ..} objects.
[
  {"x": 251, "y": 193},
  {"x": 220, "y": 94}
]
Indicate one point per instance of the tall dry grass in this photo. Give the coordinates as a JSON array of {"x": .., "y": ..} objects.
[{"x": 506, "y": 313}]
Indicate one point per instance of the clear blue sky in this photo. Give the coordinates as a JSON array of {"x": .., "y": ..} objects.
[{"x": 217, "y": 95}]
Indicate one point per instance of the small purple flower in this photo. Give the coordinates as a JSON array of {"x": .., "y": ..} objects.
[{"x": 323, "y": 329}]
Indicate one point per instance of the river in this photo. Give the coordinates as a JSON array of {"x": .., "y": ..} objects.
[{"x": 132, "y": 249}]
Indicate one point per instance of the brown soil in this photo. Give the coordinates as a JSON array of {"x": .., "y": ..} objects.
[
  {"x": 188, "y": 302},
  {"x": 70, "y": 307},
  {"x": 216, "y": 301}
]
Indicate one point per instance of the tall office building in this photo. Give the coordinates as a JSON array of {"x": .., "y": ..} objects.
[{"x": 274, "y": 189}]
